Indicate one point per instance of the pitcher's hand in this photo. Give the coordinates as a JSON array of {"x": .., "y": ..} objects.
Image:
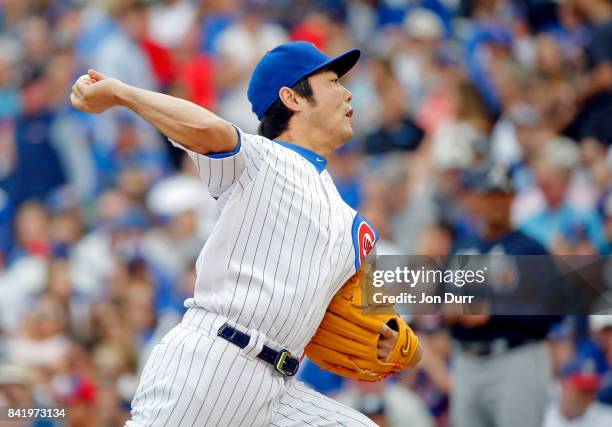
[
  {"x": 94, "y": 92},
  {"x": 387, "y": 341}
]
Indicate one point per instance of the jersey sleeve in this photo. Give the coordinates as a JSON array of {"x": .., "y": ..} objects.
[{"x": 220, "y": 171}]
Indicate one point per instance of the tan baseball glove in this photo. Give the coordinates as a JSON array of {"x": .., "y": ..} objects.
[{"x": 346, "y": 342}]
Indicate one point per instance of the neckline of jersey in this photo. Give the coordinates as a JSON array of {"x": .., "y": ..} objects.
[{"x": 318, "y": 161}]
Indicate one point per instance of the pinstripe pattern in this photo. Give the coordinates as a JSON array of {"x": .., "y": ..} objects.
[
  {"x": 276, "y": 282},
  {"x": 246, "y": 240},
  {"x": 308, "y": 271},
  {"x": 298, "y": 258},
  {"x": 147, "y": 372},
  {"x": 146, "y": 399},
  {"x": 212, "y": 383},
  {"x": 269, "y": 219},
  {"x": 300, "y": 406},
  {"x": 225, "y": 417},
  {"x": 288, "y": 211},
  {"x": 185, "y": 379},
  {"x": 280, "y": 250}
]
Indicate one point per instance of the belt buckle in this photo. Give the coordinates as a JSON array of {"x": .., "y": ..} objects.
[{"x": 286, "y": 364}]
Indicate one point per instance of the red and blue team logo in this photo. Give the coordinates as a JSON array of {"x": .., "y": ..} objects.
[{"x": 364, "y": 238}]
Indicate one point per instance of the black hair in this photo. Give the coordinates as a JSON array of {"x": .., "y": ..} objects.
[{"x": 276, "y": 120}]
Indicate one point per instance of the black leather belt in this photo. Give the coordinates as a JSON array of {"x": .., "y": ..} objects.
[
  {"x": 282, "y": 361},
  {"x": 493, "y": 347}
]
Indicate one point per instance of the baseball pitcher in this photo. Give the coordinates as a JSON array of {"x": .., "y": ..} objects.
[{"x": 280, "y": 275}]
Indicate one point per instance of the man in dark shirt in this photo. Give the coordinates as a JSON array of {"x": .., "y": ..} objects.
[
  {"x": 38, "y": 169},
  {"x": 592, "y": 119},
  {"x": 502, "y": 368}
]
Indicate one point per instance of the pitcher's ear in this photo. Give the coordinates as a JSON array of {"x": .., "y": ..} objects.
[{"x": 290, "y": 99}]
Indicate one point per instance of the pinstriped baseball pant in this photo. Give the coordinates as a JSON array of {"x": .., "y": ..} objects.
[{"x": 194, "y": 378}]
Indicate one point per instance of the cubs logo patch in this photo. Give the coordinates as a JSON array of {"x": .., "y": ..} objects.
[{"x": 364, "y": 238}]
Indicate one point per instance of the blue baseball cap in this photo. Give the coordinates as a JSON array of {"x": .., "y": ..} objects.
[
  {"x": 586, "y": 369},
  {"x": 285, "y": 65}
]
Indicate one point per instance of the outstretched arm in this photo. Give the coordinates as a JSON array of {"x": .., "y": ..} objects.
[{"x": 190, "y": 125}]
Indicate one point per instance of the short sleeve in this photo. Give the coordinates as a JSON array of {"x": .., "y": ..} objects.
[{"x": 220, "y": 171}]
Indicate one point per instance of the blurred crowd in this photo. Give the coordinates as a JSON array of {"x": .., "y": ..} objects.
[{"x": 101, "y": 220}]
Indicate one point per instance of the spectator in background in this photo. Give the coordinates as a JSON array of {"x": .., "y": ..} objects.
[
  {"x": 216, "y": 17},
  {"x": 35, "y": 149},
  {"x": 196, "y": 70},
  {"x": 69, "y": 135},
  {"x": 501, "y": 348},
  {"x": 75, "y": 305},
  {"x": 557, "y": 222},
  {"x": 511, "y": 134},
  {"x": 462, "y": 141},
  {"x": 345, "y": 166},
  {"x": 15, "y": 384},
  {"x": 592, "y": 121},
  {"x": 120, "y": 54},
  {"x": 397, "y": 131},
  {"x": 81, "y": 404},
  {"x": 95, "y": 25},
  {"x": 314, "y": 28},
  {"x": 93, "y": 260},
  {"x": 31, "y": 232},
  {"x": 26, "y": 272},
  {"x": 388, "y": 404},
  {"x": 562, "y": 347},
  {"x": 605, "y": 210},
  {"x": 10, "y": 102},
  {"x": 42, "y": 343},
  {"x": 601, "y": 330},
  {"x": 136, "y": 159},
  {"x": 432, "y": 380},
  {"x": 184, "y": 212},
  {"x": 239, "y": 48},
  {"x": 7, "y": 152},
  {"x": 160, "y": 58},
  {"x": 439, "y": 105},
  {"x": 5, "y": 228},
  {"x": 137, "y": 307},
  {"x": 552, "y": 91},
  {"x": 67, "y": 227},
  {"x": 577, "y": 406},
  {"x": 599, "y": 50},
  {"x": 171, "y": 20},
  {"x": 416, "y": 51},
  {"x": 36, "y": 44},
  {"x": 488, "y": 49}
]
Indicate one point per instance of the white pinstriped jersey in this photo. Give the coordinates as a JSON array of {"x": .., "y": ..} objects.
[{"x": 284, "y": 243}]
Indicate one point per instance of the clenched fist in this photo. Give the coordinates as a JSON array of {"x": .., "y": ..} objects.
[{"x": 94, "y": 92}]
